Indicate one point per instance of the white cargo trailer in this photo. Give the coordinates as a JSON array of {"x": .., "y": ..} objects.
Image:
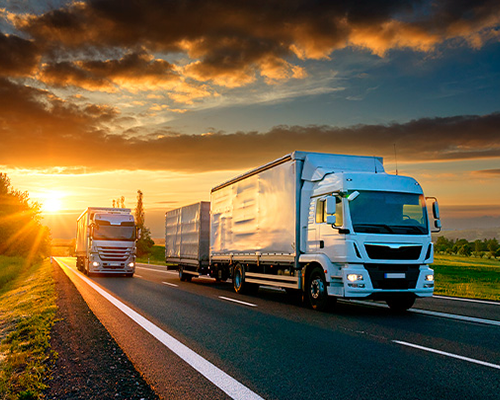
[
  {"x": 326, "y": 226},
  {"x": 105, "y": 241},
  {"x": 187, "y": 244}
]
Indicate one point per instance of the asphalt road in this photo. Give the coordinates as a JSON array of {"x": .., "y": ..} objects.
[{"x": 193, "y": 341}]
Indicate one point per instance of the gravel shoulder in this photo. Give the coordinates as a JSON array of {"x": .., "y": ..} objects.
[{"x": 89, "y": 364}]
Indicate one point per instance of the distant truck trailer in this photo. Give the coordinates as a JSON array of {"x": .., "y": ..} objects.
[
  {"x": 106, "y": 241},
  {"x": 327, "y": 226}
]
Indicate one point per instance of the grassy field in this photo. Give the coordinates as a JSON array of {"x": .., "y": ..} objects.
[
  {"x": 157, "y": 256},
  {"x": 27, "y": 310},
  {"x": 470, "y": 277}
]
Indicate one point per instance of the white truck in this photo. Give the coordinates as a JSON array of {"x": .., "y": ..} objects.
[
  {"x": 105, "y": 241},
  {"x": 324, "y": 225}
]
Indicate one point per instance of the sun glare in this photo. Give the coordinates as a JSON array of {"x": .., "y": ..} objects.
[{"x": 52, "y": 202}]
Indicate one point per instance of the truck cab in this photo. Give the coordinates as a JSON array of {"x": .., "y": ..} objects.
[
  {"x": 106, "y": 241},
  {"x": 370, "y": 233}
]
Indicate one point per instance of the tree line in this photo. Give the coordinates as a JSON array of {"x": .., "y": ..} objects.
[
  {"x": 21, "y": 230},
  {"x": 489, "y": 248}
]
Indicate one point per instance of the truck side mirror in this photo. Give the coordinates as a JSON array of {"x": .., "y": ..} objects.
[
  {"x": 435, "y": 209},
  {"x": 331, "y": 202},
  {"x": 435, "y": 213},
  {"x": 138, "y": 232}
]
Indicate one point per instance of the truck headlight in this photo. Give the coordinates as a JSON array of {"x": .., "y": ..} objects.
[
  {"x": 354, "y": 277},
  {"x": 131, "y": 265},
  {"x": 95, "y": 264},
  {"x": 429, "y": 278}
]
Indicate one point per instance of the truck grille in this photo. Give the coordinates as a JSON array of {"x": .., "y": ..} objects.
[
  {"x": 380, "y": 276},
  {"x": 381, "y": 252},
  {"x": 114, "y": 253}
]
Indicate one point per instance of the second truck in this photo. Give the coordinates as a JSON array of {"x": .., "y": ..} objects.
[
  {"x": 106, "y": 241},
  {"x": 324, "y": 225}
]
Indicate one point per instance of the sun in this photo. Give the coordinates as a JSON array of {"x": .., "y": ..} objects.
[{"x": 52, "y": 202}]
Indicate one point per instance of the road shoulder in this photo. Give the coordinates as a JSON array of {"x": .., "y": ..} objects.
[{"x": 89, "y": 363}]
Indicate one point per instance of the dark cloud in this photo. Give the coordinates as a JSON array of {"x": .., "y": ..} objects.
[
  {"x": 18, "y": 57},
  {"x": 61, "y": 134},
  {"x": 134, "y": 70},
  {"x": 231, "y": 42},
  {"x": 488, "y": 172}
]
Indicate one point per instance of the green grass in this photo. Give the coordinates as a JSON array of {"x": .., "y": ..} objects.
[
  {"x": 157, "y": 256},
  {"x": 459, "y": 276},
  {"x": 27, "y": 311}
]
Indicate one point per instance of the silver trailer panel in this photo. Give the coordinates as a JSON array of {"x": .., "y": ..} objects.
[
  {"x": 187, "y": 232},
  {"x": 256, "y": 214}
]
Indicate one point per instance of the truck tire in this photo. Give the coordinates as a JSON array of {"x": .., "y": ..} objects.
[
  {"x": 239, "y": 284},
  {"x": 400, "y": 304},
  {"x": 183, "y": 276},
  {"x": 316, "y": 291}
]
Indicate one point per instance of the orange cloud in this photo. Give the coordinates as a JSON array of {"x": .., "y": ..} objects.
[{"x": 62, "y": 134}]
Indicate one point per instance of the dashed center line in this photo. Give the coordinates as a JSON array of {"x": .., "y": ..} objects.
[
  {"x": 238, "y": 301},
  {"x": 170, "y": 284},
  {"x": 444, "y": 353}
]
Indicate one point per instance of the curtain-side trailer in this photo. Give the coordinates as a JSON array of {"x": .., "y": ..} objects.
[{"x": 326, "y": 225}]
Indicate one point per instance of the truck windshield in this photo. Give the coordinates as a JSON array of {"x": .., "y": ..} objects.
[
  {"x": 389, "y": 213},
  {"x": 103, "y": 230}
]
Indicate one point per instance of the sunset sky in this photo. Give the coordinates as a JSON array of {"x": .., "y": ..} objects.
[{"x": 101, "y": 98}]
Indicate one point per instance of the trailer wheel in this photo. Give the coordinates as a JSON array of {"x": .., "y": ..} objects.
[
  {"x": 316, "y": 289},
  {"x": 400, "y": 304},
  {"x": 183, "y": 276}
]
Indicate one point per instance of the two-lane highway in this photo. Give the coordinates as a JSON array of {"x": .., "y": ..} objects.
[{"x": 202, "y": 340}]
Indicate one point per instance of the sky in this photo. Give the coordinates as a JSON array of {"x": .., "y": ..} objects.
[{"x": 99, "y": 99}]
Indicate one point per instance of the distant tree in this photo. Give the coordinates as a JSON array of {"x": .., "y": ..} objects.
[
  {"x": 443, "y": 245},
  {"x": 114, "y": 203},
  {"x": 493, "y": 246},
  {"x": 459, "y": 244},
  {"x": 478, "y": 248},
  {"x": 145, "y": 243},
  {"x": 465, "y": 250},
  {"x": 21, "y": 231}
]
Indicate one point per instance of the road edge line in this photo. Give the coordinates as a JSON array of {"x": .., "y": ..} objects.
[{"x": 219, "y": 378}]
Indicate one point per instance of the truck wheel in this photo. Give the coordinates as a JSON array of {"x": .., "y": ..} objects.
[
  {"x": 239, "y": 284},
  {"x": 400, "y": 304},
  {"x": 316, "y": 289},
  {"x": 183, "y": 276}
]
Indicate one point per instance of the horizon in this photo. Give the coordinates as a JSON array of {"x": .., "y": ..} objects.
[{"x": 95, "y": 107}]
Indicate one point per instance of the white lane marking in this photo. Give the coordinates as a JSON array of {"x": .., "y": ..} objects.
[
  {"x": 433, "y": 313},
  {"x": 157, "y": 270},
  {"x": 457, "y": 317},
  {"x": 444, "y": 353},
  {"x": 219, "y": 378},
  {"x": 238, "y": 301},
  {"x": 137, "y": 276},
  {"x": 494, "y": 303},
  {"x": 170, "y": 284}
]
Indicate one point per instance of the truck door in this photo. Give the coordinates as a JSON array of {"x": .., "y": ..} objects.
[{"x": 330, "y": 242}]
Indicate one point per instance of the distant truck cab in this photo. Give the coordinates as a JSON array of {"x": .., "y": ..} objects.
[
  {"x": 325, "y": 225},
  {"x": 106, "y": 241}
]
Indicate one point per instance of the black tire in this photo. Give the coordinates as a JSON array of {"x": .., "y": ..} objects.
[
  {"x": 240, "y": 285},
  {"x": 86, "y": 267},
  {"x": 400, "y": 304},
  {"x": 239, "y": 279},
  {"x": 316, "y": 290},
  {"x": 183, "y": 276}
]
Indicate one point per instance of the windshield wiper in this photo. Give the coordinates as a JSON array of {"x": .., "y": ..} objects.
[
  {"x": 372, "y": 228},
  {"x": 411, "y": 228}
]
